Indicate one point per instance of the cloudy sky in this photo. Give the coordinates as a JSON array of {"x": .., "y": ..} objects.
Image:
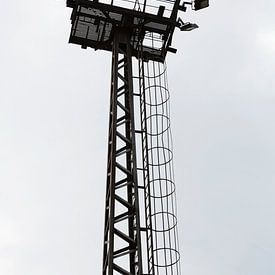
[{"x": 53, "y": 135}]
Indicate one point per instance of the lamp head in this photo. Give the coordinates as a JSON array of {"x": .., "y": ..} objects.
[
  {"x": 188, "y": 26},
  {"x": 200, "y": 4}
]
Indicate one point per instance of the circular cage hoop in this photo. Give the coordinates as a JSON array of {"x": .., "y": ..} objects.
[
  {"x": 161, "y": 72},
  {"x": 159, "y": 96},
  {"x": 158, "y": 156},
  {"x": 157, "y": 124},
  {"x": 161, "y": 188},
  {"x": 165, "y": 257},
  {"x": 163, "y": 222}
]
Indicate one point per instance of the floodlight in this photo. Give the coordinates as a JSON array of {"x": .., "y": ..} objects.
[
  {"x": 186, "y": 26},
  {"x": 200, "y": 4}
]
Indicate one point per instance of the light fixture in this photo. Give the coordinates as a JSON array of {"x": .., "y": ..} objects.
[
  {"x": 186, "y": 26},
  {"x": 200, "y": 4},
  {"x": 189, "y": 27}
]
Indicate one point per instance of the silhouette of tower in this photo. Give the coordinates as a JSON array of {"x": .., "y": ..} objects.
[{"x": 140, "y": 232}]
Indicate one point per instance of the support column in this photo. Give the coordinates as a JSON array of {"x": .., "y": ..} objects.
[{"x": 122, "y": 241}]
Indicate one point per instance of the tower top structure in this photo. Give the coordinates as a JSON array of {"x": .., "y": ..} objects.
[{"x": 148, "y": 22}]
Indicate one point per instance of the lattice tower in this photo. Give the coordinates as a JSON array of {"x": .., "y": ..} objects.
[{"x": 140, "y": 231}]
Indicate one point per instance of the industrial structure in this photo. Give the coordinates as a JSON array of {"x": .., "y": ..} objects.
[{"x": 140, "y": 231}]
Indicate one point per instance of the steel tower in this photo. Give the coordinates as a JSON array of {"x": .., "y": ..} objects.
[{"x": 140, "y": 232}]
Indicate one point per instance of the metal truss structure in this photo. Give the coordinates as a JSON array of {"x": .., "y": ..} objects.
[
  {"x": 140, "y": 231},
  {"x": 122, "y": 237}
]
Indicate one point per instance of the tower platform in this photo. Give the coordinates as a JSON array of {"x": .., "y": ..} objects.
[{"x": 94, "y": 24}]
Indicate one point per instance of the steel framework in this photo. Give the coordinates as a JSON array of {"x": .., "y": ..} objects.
[
  {"x": 122, "y": 237},
  {"x": 140, "y": 231}
]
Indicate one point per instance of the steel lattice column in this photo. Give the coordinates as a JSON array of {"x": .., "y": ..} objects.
[{"x": 122, "y": 239}]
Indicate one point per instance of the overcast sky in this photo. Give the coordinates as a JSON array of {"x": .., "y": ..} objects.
[{"x": 53, "y": 136}]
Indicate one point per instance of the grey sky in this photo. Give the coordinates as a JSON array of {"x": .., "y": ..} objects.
[{"x": 53, "y": 134}]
